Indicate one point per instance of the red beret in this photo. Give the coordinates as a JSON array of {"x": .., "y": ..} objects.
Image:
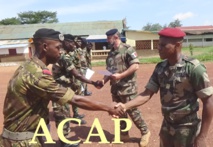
[{"x": 172, "y": 32}]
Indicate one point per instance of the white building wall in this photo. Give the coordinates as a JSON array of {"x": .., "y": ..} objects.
[
  {"x": 22, "y": 50},
  {"x": 4, "y": 51},
  {"x": 19, "y": 50},
  {"x": 198, "y": 40}
]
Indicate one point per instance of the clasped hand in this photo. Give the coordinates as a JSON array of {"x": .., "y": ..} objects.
[{"x": 117, "y": 110}]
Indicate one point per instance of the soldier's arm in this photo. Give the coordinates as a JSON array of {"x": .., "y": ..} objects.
[
  {"x": 117, "y": 76},
  {"x": 80, "y": 77},
  {"x": 88, "y": 104},
  {"x": 203, "y": 89},
  {"x": 207, "y": 115},
  {"x": 141, "y": 99}
]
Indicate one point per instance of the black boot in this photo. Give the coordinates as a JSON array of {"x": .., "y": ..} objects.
[
  {"x": 87, "y": 93},
  {"x": 79, "y": 116}
]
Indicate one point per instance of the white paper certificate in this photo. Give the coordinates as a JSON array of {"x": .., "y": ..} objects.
[
  {"x": 89, "y": 73},
  {"x": 105, "y": 72}
]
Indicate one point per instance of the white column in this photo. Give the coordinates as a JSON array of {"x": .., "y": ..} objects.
[{"x": 152, "y": 45}]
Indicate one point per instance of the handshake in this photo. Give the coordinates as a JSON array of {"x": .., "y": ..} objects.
[
  {"x": 98, "y": 84},
  {"x": 117, "y": 110}
]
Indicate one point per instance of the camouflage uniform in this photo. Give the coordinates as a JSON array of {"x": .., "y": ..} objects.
[
  {"x": 76, "y": 86},
  {"x": 28, "y": 95},
  {"x": 81, "y": 53},
  {"x": 88, "y": 59},
  {"x": 180, "y": 86},
  {"x": 125, "y": 89},
  {"x": 61, "y": 73}
]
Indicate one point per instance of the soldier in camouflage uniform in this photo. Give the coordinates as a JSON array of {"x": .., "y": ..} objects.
[
  {"x": 122, "y": 62},
  {"x": 181, "y": 81},
  {"x": 65, "y": 73},
  {"x": 31, "y": 89},
  {"x": 81, "y": 51},
  {"x": 88, "y": 54}
]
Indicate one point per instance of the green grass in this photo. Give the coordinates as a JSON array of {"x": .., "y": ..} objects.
[{"x": 202, "y": 54}]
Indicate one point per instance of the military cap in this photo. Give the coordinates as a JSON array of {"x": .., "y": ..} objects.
[
  {"x": 48, "y": 34},
  {"x": 172, "y": 32},
  {"x": 84, "y": 41},
  {"x": 111, "y": 32},
  {"x": 69, "y": 37}
]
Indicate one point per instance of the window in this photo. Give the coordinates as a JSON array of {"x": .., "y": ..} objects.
[
  {"x": 194, "y": 40},
  {"x": 12, "y": 52},
  {"x": 208, "y": 39}
]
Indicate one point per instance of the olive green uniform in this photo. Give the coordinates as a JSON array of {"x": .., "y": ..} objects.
[
  {"x": 125, "y": 89},
  {"x": 180, "y": 87}
]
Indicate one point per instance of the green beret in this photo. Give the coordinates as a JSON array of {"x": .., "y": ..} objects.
[{"x": 48, "y": 34}]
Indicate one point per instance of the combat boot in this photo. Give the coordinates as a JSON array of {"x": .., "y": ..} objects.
[
  {"x": 87, "y": 93},
  {"x": 78, "y": 116},
  {"x": 145, "y": 139}
]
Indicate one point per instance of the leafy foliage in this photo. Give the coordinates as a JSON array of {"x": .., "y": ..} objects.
[
  {"x": 175, "y": 23},
  {"x": 31, "y": 17},
  {"x": 152, "y": 27},
  {"x": 157, "y": 26},
  {"x": 10, "y": 21}
]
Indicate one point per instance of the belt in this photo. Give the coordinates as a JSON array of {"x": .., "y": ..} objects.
[
  {"x": 17, "y": 135},
  {"x": 186, "y": 119}
]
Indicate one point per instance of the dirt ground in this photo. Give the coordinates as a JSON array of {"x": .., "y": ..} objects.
[{"x": 150, "y": 111}]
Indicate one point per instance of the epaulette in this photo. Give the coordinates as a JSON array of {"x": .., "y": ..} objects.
[
  {"x": 192, "y": 60},
  {"x": 46, "y": 72},
  {"x": 126, "y": 45}
]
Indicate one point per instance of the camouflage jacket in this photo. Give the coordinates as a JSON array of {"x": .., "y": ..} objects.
[
  {"x": 180, "y": 86},
  {"x": 75, "y": 59},
  {"x": 82, "y": 57},
  {"x": 88, "y": 58},
  {"x": 29, "y": 92},
  {"x": 118, "y": 61},
  {"x": 62, "y": 70}
]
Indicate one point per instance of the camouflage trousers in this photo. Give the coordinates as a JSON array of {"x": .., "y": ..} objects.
[
  {"x": 178, "y": 135},
  {"x": 60, "y": 113},
  {"x": 134, "y": 114},
  {"x": 4, "y": 142},
  {"x": 84, "y": 85}
]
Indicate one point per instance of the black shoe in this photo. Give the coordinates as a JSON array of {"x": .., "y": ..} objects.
[
  {"x": 79, "y": 116},
  {"x": 82, "y": 122},
  {"x": 69, "y": 145},
  {"x": 87, "y": 93}
]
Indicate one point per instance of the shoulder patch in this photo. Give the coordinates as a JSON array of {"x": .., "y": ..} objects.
[
  {"x": 46, "y": 72},
  {"x": 134, "y": 55}
]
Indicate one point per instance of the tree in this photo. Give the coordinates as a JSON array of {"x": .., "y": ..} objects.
[
  {"x": 10, "y": 21},
  {"x": 31, "y": 17},
  {"x": 152, "y": 27},
  {"x": 175, "y": 23}
]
